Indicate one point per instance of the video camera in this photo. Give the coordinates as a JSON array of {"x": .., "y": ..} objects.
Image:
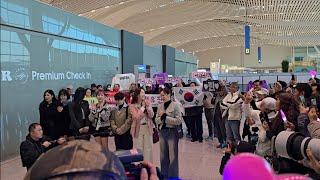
[{"x": 130, "y": 160}]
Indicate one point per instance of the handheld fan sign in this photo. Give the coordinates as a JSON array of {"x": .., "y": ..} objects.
[
  {"x": 313, "y": 73},
  {"x": 318, "y": 119},
  {"x": 283, "y": 116}
]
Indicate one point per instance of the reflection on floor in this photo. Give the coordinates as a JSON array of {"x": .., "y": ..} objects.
[{"x": 198, "y": 161}]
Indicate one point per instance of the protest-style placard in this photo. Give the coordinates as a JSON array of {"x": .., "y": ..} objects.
[
  {"x": 154, "y": 99},
  {"x": 124, "y": 80}
]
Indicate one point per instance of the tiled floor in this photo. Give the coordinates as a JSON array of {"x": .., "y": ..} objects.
[{"x": 198, "y": 161}]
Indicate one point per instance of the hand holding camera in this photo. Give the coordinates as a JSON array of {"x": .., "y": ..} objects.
[{"x": 46, "y": 144}]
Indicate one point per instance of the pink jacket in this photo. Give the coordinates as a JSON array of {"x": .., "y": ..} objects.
[{"x": 137, "y": 116}]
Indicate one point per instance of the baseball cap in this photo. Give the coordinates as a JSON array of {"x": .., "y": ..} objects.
[{"x": 77, "y": 157}]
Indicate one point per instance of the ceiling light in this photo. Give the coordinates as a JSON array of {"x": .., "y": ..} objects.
[
  {"x": 140, "y": 32},
  {"x": 107, "y": 7},
  {"x": 93, "y": 11},
  {"x": 163, "y": 5},
  {"x": 121, "y": 3}
]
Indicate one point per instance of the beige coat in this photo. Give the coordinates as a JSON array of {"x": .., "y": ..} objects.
[
  {"x": 174, "y": 115},
  {"x": 137, "y": 115},
  {"x": 314, "y": 129},
  {"x": 119, "y": 121}
]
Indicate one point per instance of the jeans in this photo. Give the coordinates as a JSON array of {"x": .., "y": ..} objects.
[
  {"x": 232, "y": 130},
  {"x": 209, "y": 113},
  {"x": 169, "y": 158}
]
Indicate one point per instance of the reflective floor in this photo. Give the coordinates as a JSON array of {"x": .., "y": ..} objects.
[{"x": 198, "y": 161}]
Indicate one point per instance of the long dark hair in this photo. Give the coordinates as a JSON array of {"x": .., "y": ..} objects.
[
  {"x": 51, "y": 93},
  {"x": 135, "y": 95}
]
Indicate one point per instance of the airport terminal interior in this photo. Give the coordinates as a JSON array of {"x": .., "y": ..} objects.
[{"x": 160, "y": 89}]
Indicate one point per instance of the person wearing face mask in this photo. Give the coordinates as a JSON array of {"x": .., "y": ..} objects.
[
  {"x": 99, "y": 118},
  {"x": 314, "y": 125},
  {"x": 121, "y": 123},
  {"x": 169, "y": 117},
  {"x": 64, "y": 117},
  {"x": 49, "y": 117},
  {"x": 79, "y": 112},
  {"x": 142, "y": 126}
]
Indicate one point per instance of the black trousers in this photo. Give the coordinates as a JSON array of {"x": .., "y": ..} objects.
[
  {"x": 219, "y": 126},
  {"x": 196, "y": 127},
  {"x": 124, "y": 141},
  {"x": 209, "y": 113},
  {"x": 188, "y": 123}
]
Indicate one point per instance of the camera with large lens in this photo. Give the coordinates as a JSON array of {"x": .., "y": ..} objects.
[
  {"x": 254, "y": 137},
  {"x": 293, "y": 145},
  {"x": 131, "y": 159}
]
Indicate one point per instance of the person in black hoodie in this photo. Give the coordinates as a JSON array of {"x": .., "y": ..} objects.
[
  {"x": 36, "y": 144},
  {"x": 48, "y": 110},
  {"x": 64, "y": 117},
  {"x": 79, "y": 112}
]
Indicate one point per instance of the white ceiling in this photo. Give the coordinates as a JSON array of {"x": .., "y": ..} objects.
[{"x": 202, "y": 25}]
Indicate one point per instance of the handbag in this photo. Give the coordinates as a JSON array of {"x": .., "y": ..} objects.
[{"x": 155, "y": 135}]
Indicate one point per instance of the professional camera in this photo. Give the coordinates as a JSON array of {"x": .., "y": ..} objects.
[
  {"x": 131, "y": 161},
  {"x": 292, "y": 145},
  {"x": 254, "y": 137}
]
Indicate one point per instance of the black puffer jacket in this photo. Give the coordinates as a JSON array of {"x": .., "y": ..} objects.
[{"x": 30, "y": 150}]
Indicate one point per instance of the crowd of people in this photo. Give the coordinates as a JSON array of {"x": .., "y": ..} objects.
[{"x": 133, "y": 121}]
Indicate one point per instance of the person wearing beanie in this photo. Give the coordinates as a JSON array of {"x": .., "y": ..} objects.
[{"x": 266, "y": 113}]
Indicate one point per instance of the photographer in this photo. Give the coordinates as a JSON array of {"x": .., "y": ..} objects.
[
  {"x": 265, "y": 115},
  {"x": 314, "y": 125},
  {"x": 100, "y": 164},
  {"x": 234, "y": 149},
  {"x": 35, "y": 144}
]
